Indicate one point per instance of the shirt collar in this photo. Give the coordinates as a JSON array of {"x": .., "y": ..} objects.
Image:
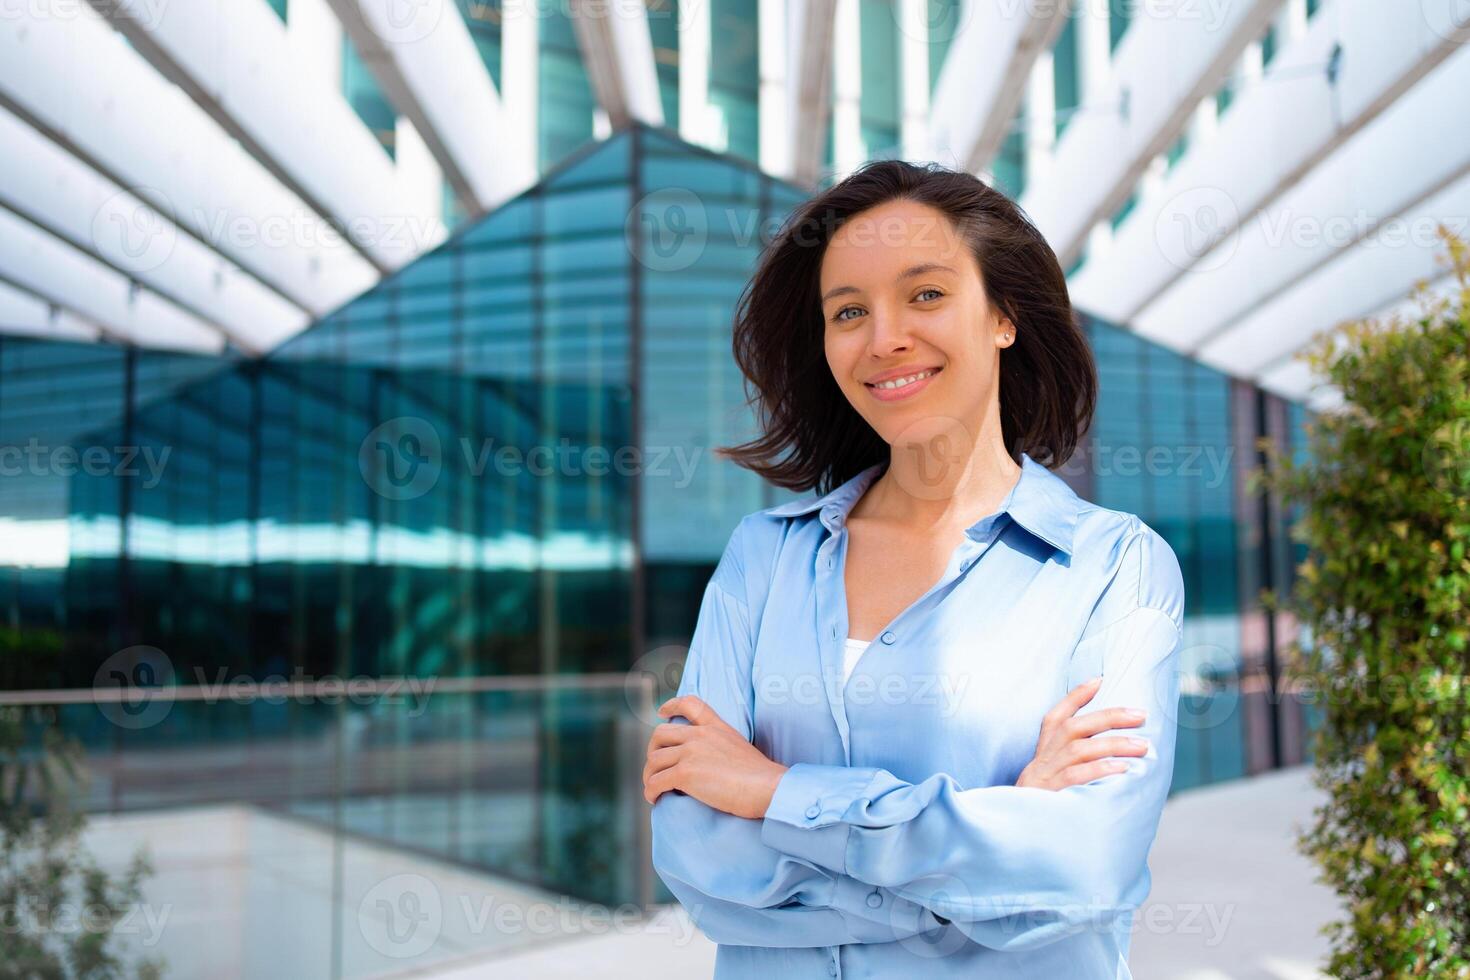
[{"x": 1041, "y": 502}]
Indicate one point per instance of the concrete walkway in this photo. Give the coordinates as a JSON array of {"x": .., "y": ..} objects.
[
  {"x": 238, "y": 892},
  {"x": 1231, "y": 896}
]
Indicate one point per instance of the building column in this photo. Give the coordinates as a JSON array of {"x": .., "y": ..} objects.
[
  {"x": 775, "y": 120},
  {"x": 848, "y": 151},
  {"x": 520, "y": 56},
  {"x": 913, "y": 68}
]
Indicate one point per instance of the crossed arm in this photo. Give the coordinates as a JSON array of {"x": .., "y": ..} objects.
[
  {"x": 816, "y": 855},
  {"x": 737, "y": 888}
]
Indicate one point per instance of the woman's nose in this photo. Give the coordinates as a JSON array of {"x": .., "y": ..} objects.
[{"x": 890, "y": 335}]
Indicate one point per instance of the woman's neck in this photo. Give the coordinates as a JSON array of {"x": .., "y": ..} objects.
[{"x": 927, "y": 485}]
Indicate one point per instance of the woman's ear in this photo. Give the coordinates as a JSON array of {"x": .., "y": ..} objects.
[{"x": 1005, "y": 332}]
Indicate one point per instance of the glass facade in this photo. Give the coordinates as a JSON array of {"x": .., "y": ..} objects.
[
  {"x": 494, "y": 472},
  {"x": 1120, "y": 16},
  {"x": 734, "y": 74},
  {"x": 1173, "y": 441},
  {"x": 494, "y": 465},
  {"x": 1009, "y": 166},
  {"x": 367, "y": 98},
  {"x": 943, "y": 19},
  {"x": 564, "y": 99},
  {"x": 1066, "y": 76},
  {"x": 483, "y": 18},
  {"x": 663, "y": 28},
  {"x": 879, "y": 97}
]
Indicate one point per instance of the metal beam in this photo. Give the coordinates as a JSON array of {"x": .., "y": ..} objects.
[
  {"x": 30, "y": 315},
  {"x": 284, "y": 113},
  {"x": 1376, "y": 271},
  {"x": 50, "y": 269},
  {"x": 1355, "y": 60},
  {"x": 984, "y": 77},
  {"x": 809, "y": 42},
  {"x": 617, "y": 48},
  {"x": 427, "y": 64},
  {"x": 88, "y": 90},
  {"x": 57, "y": 192},
  {"x": 1291, "y": 378},
  {"x": 1254, "y": 299},
  {"x": 1162, "y": 69}
]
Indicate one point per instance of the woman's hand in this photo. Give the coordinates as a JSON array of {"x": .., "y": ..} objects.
[
  {"x": 1066, "y": 752},
  {"x": 710, "y": 761}
]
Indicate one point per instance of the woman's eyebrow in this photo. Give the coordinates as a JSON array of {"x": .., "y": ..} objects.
[
  {"x": 909, "y": 273},
  {"x": 919, "y": 270}
]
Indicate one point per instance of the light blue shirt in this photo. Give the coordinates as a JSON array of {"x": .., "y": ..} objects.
[{"x": 898, "y": 841}]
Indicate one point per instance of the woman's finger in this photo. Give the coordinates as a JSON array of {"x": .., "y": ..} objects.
[
  {"x": 1074, "y": 700},
  {"x": 693, "y": 708},
  {"x": 658, "y": 784},
  {"x": 659, "y": 760},
  {"x": 1088, "y": 749},
  {"x": 670, "y": 734},
  {"x": 1088, "y": 771},
  {"x": 1085, "y": 726}
]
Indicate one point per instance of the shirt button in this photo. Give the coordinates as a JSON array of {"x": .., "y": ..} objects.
[
  {"x": 887, "y": 637},
  {"x": 813, "y": 812},
  {"x": 874, "y": 899},
  {"x": 831, "y": 561}
]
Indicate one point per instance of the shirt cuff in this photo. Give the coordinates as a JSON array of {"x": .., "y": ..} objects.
[{"x": 805, "y": 818}]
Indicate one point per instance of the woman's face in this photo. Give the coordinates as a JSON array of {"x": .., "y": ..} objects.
[{"x": 902, "y": 296}]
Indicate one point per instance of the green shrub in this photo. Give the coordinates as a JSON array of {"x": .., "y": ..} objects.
[
  {"x": 58, "y": 907},
  {"x": 1384, "y": 493}
]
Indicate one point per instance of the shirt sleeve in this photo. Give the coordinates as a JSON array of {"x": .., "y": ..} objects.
[
  {"x": 1018, "y": 867},
  {"x": 737, "y": 889}
]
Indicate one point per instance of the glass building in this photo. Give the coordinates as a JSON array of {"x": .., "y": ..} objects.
[
  {"x": 391, "y": 348},
  {"x": 493, "y": 473}
]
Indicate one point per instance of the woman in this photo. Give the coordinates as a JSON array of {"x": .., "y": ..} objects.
[{"x": 908, "y": 732}]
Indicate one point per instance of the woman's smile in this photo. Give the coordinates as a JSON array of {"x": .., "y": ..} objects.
[{"x": 903, "y": 386}]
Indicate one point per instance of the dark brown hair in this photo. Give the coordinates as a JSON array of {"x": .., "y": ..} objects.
[{"x": 812, "y": 437}]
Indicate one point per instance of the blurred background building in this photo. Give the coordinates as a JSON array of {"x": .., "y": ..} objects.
[{"x": 372, "y": 340}]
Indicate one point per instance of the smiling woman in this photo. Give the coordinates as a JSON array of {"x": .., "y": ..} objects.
[
  {"x": 902, "y": 740},
  {"x": 939, "y": 268}
]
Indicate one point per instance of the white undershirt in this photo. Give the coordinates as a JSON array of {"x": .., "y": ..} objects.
[{"x": 850, "y": 653}]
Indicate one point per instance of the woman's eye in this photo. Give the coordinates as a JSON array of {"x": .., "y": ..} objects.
[
  {"x": 840, "y": 315},
  {"x": 926, "y": 292}
]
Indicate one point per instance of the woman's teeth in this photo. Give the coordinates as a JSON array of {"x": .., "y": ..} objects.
[{"x": 900, "y": 382}]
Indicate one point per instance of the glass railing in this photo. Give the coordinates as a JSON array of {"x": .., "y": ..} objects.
[{"x": 367, "y": 828}]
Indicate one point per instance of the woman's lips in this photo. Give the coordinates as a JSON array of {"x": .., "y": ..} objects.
[{"x": 906, "y": 391}]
